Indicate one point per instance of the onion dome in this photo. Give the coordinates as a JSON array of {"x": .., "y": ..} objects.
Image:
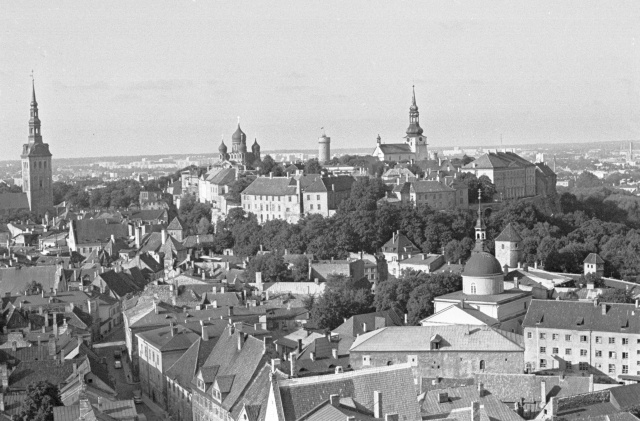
[
  {"x": 482, "y": 264},
  {"x": 239, "y": 136},
  {"x": 414, "y": 129},
  {"x": 222, "y": 148},
  {"x": 255, "y": 147}
]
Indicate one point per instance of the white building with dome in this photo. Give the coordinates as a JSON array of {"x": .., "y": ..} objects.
[{"x": 483, "y": 299}]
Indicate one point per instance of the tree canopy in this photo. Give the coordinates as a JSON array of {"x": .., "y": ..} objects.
[{"x": 39, "y": 402}]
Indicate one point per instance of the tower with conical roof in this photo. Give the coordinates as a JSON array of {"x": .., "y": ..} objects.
[
  {"x": 508, "y": 247},
  {"x": 255, "y": 150},
  {"x": 36, "y": 164},
  {"x": 415, "y": 138}
]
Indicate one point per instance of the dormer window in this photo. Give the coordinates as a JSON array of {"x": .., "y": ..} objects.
[
  {"x": 216, "y": 394},
  {"x": 201, "y": 385}
]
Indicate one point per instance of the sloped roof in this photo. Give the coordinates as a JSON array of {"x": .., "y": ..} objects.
[
  {"x": 392, "y": 148},
  {"x": 276, "y": 186},
  {"x": 594, "y": 258},
  {"x": 27, "y": 372},
  {"x": 164, "y": 340},
  {"x": 454, "y": 338},
  {"x": 513, "y": 387},
  {"x": 188, "y": 364},
  {"x": 325, "y": 184},
  {"x": 552, "y": 314},
  {"x": 509, "y": 234},
  {"x": 14, "y": 280},
  {"x": 398, "y": 243},
  {"x": 98, "y": 230},
  {"x": 119, "y": 282},
  {"x": 429, "y": 186},
  {"x": 175, "y": 224},
  {"x": 225, "y": 177},
  {"x": 462, "y": 397},
  {"x": 301, "y": 395}
]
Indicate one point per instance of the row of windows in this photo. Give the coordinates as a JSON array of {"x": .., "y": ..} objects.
[
  {"x": 583, "y": 338},
  {"x": 36, "y": 164}
]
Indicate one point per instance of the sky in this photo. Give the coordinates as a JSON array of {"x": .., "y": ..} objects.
[{"x": 160, "y": 77}]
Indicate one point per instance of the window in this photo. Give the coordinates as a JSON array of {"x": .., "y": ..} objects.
[
  {"x": 625, "y": 341},
  {"x": 554, "y": 351},
  {"x": 473, "y": 288},
  {"x": 567, "y": 351},
  {"x": 308, "y": 197},
  {"x": 554, "y": 336},
  {"x": 318, "y": 206},
  {"x": 317, "y": 197},
  {"x": 625, "y": 369},
  {"x": 568, "y": 365},
  {"x": 366, "y": 360},
  {"x": 412, "y": 360},
  {"x": 583, "y": 352},
  {"x": 311, "y": 207},
  {"x": 567, "y": 338},
  {"x": 612, "y": 340},
  {"x": 625, "y": 355},
  {"x": 583, "y": 338},
  {"x": 543, "y": 336},
  {"x": 583, "y": 366},
  {"x": 543, "y": 363},
  {"x": 612, "y": 354},
  {"x": 598, "y": 339},
  {"x": 529, "y": 335},
  {"x": 482, "y": 365},
  {"x": 543, "y": 349}
]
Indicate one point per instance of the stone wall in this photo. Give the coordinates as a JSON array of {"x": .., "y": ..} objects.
[{"x": 581, "y": 401}]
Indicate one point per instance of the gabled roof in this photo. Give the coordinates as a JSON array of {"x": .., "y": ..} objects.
[
  {"x": 27, "y": 372},
  {"x": 276, "y": 186},
  {"x": 509, "y": 234},
  {"x": 513, "y": 387},
  {"x": 453, "y": 338},
  {"x": 225, "y": 177},
  {"x": 175, "y": 224},
  {"x": 120, "y": 283},
  {"x": 169, "y": 338},
  {"x": 429, "y": 186},
  {"x": 398, "y": 243},
  {"x": 393, "y": 148},
  {"x": 190, "y": 362},
  {"x": 563, "y": 315},
  {"x": 300, "y": 396},
  {"x": 340, "y": 183},
  {"x": 14, "y": 280},
  {"x": 98, "y": 230}
]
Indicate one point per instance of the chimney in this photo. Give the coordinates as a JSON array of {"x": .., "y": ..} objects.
[
  {"x": 516, "y": 283},
  {"x": 14, "y": 346},
  {"x": 52, "y": 347},
  {"x": 299, "y": 346},
  {"x": 46, "y": 319},
  {"x": 377, "y": 404},
  {"x": 543, "y": 392},
  {"x": 240, "y": 339},
  {"x": 535, "y": 264},
  {"x": 100, "y": 403},
  {"x": 292, "y": 364},
  {"x": 171, "y": 328},
  {"x": 475, "y": 411},
  {"x": 1, "y": 402},
  {"x": 604, "y": 309},
  {"x": 553, "y": 410},
  {"x": 334, "y": 400},
  {"x": 334, "y": 353},
  {"x": 138, "y": 236},
  {"x": 164, "y": 235},
  {"x": 75, "y": 368},
  {"x": 525, "y": 267},
  {"x": 443, "y": 397},
  {"x": 364, "y": 328},
  {"x": 55, "y": 324},
  {"x": 4, "y": 376},
  {"x": 204, "y": 332},
  {"x": 312, "y": 356},
  {"x": 637, "y": 303},
  {"x": 480, "y": 389},
  {"x": 230, "y": 312},
  {"x": 155, "y": 307}
]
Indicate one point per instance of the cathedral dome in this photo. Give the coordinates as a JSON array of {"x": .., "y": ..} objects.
[
  {"x": 255, "y": 146},
  {"x": 414, "y": 129},
  {"x": 239, "y": 136},
  {"x": 222, "y": 148},
  {"x": 482, "y": 264}
]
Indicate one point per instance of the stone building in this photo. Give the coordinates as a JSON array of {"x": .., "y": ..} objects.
[{"x": 36, "y": 165}]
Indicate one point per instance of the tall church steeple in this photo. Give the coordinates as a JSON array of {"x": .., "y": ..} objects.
[
  {"x": 417, "y": 142},
  {"x": 36, "y": 163}
]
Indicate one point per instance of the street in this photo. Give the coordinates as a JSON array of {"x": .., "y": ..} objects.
[{"x": 122, "y": 376}]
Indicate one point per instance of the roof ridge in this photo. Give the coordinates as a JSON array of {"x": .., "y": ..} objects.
[{"x": 299, "y": 381}]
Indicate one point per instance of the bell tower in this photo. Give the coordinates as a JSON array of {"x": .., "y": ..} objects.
[
  {"x": 36, "y": 164},
  {"x": 417, "y": 142}
]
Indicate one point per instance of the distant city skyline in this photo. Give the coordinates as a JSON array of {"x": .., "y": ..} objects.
[{"x": 135, "y": 78}]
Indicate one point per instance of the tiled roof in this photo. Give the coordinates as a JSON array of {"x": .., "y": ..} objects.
[
  {"x": 148, "y": 215},
  {"x": 509, "y": 234},
  {"x": 513, "y": 387},
  {"x": 276, "y": 186},
  {"x": 14, "y": 280},
  {"x": 462, "y": 397},
  {"x": 625, "y": 396},
  {"x": 175, "y": 224},
  {"x": 389, "y": 148},
  {"x": 225, "y": 177},
  {"x": 326, "y": 184},
  {"x": 428, "y": 384},
  {"x": 28, "y": 372},
  {"x": 398, "y": 243},
  {"x": 169, "y": 338},
  {"x": 188, "y": 364},
  {"x": 301, "y": 395},
  {"x": 429, "y": 186},
  {"x": 98, "y": 230},
  {"x": 243, "y": 364},
  {"x": 453, "y": 338},
  {"x": 119, "y": 282},
  {"x": 110, "y": 410},
  {"x": 487, "y": 161},
  {"x": 594, "y": 258},
  {"x": 255, "y": 398},
  {"x": 552, "y": 314}
]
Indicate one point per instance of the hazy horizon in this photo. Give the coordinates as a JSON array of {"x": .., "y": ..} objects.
[{"x": 135, "y": 78}]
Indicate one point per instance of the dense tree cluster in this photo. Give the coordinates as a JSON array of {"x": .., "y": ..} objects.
[
  {"x": 91, "y": 194},
  {"x": 39, "y": 402}
]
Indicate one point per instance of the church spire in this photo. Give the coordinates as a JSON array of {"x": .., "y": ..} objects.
[
  {"x": 413, "y": 102},
  {"x": 34, "y": 122},
  {"x": 33, "y": 93},
  {"x": 481, "y": 228}
]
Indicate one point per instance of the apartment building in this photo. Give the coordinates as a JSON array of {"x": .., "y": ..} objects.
[
  {"x": 513, "y": 176},
  {"x": 577, "y": 337},
  {"x": 274, "y": 198}
]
